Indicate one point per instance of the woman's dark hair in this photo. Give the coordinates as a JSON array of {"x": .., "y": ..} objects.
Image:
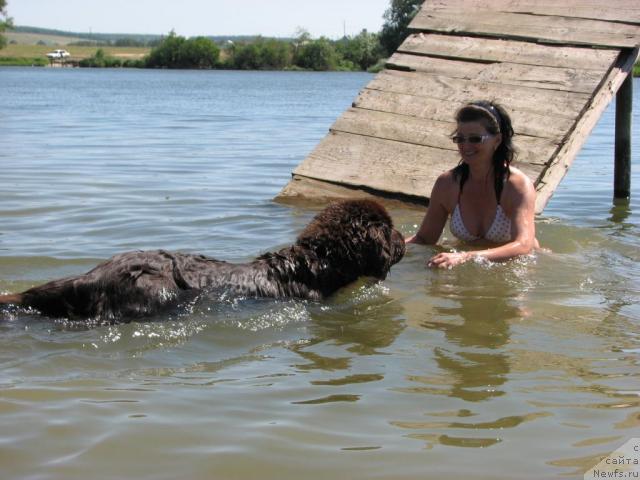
[{"x": 496, "y": 120}]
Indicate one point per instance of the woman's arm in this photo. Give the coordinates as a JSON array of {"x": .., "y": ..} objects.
[
  {"x": 521, "y": 202},
  {"x": 436, "y": 216}
]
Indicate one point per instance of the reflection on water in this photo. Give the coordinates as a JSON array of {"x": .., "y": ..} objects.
[
  {"x": 620, "y": 211},
  {"x": 361, "y": 322},
  {"x": 471, "y": 364},
  {"x": 527, "y": 369},
  {"x": 477, "y": 370}
]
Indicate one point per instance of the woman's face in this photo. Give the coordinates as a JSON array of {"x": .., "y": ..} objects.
[{"x": 476, "y": 152}]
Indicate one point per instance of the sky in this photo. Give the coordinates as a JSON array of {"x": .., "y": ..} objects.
[{"x": 277, "y": 18}]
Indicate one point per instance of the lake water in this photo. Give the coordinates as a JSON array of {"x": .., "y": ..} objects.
[{"x": 528, "y": 369}]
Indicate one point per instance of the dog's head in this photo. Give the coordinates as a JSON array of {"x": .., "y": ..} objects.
[{"x": 356, "y": 236}]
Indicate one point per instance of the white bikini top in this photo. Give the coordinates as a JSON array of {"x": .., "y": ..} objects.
[{"x": 499, "y": 231}]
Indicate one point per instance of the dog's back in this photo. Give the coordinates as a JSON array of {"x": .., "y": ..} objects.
[
  {"x": 131, "y": 285},
  {"x": 344, "y": 241}
]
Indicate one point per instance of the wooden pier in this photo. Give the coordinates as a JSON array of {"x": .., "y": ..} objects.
[{"x": 555, "y": 66}]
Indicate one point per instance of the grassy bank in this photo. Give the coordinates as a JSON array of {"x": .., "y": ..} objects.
[
  {"x": 19, "y": 54},
  {"x": 23, "y": 62}
]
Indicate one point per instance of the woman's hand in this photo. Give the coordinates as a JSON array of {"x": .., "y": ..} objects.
[{"x": 448, "y": 260}]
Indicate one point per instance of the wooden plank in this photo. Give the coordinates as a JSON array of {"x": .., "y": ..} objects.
[
  {"x": 527, "y": 27},
  {"x": 390, "y": 126},
  {"x": 627, "y": 11},
  {"x": 385, "y": 165},
  {"x": 311, "y": 191},
  {"x": 430, "y": 133},
  {"x": 550, "y": 102},
  {"x": 551, "y": 177},
  {"x": 512, "y": 51},
  {"x": 381, "y": 164},
  {"x": 405, "y": 104},
  {"x": 524, "y": 122},
  {"x": 552, "y": 78}
]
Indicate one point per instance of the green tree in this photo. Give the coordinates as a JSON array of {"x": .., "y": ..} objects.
[
  {"x": 175, "y": 51},
  {"x": 363, "y": 50},
  {"x": 261, "y": 54},
  {"x": 300, "y": 38},
  {"x": 397, "y": 18},
  {"x": 96, "y": 61},
  {"x": 165, "y": 55},
  {"x": 317, "y": 55},
  {"x": 275, "y": 54},
  {"x": 198, "y": 52},
  {"x": 5, "y": 22},
  {"x": 246, "y": 56},
  {"x": 100, "y": 60},
  {"x": 302, "y": 35}
]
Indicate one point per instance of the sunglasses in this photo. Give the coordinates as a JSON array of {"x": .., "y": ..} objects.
[{"x": 470, "y": 139}]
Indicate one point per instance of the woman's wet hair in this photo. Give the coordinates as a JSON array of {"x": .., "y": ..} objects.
[{"x": 496, "y": 120}]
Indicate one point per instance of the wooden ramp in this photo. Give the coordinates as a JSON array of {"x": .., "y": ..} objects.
[{"x": 554, "y": 65}]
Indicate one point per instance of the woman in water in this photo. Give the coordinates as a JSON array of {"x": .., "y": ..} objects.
[{"x": 489, "y": 201}]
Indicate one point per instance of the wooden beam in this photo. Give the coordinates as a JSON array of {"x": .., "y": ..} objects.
[
  {"x": 429, "y": 133},
  {"x": 512, "y": 51},
  {"x": 624, "y": 11},
  {"x": 622, "y": 169},
  {"x": 549, "y": 78},
  {"x": 560, "y": 164},
  {"x": 396, "y": 167},
  {"x": 544, "y": 102},
  {"x": 544, "y": 125},
  {"x": 312, "y": 191},
  {"x": 538, "y": 28}
]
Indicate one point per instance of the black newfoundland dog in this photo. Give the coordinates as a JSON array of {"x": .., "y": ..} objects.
[{"x": 346, "y": 240}]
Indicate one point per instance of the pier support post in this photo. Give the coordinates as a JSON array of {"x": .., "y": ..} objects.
[{"x": 622, "y": 169}]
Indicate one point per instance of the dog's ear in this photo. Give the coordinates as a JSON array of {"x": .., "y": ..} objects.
[
  {"x": 398, "y": 247},
  {"x": 386, "y": 248},
  {"x": 378, "y": 252}
]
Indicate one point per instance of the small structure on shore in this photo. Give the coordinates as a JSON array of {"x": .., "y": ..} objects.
[
  {"x": 61, "y": 58},
  {"x": 64, "y": 62},
  {"x": 554, "y": 65}
]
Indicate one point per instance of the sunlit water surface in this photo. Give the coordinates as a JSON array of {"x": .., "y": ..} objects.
[{"x": 527, "y": 369}]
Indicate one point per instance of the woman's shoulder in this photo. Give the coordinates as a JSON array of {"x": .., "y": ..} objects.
[
  {"x": 519, "y": 188},
  {"x": 445, "y": 190},
  {"x": 519, "y": 180},
  {"x": 446, "y": 183},
  {"x": 447, "y": 179}
]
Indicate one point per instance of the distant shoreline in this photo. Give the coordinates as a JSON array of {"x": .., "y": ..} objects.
[
  {"x": 44, "y": 63},
  {"x": 29, "y": 45}
]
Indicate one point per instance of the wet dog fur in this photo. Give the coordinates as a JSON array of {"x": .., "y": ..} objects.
[{"x": 346, "y": 240}]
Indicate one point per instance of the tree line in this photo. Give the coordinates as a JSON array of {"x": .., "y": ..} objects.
[
  {"x": 360, "y": 52},
  {"x": 364, "y": 51}
]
